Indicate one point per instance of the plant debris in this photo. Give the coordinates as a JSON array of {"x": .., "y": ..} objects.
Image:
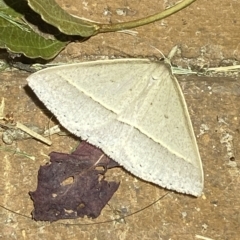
[{"x": 73, "y": 185}]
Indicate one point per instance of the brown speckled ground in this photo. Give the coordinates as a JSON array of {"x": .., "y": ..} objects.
[{"x": 208, "y": 34}]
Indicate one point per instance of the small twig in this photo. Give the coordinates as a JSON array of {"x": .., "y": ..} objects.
[
  {"x": 202, "y": 237},
  {"x": 33, "y": 134},
  {"x": 224, "y": 69},
  {"x": 2, "y": 106}
]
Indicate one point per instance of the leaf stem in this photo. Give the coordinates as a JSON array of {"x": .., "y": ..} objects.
[{"x": 143, "y": 21}]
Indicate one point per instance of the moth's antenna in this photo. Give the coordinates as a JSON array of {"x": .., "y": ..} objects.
[
  {"x": 167, "y": 59},
  {"x": 170, "y": 55},
  {"x": 158, "y": 51}
]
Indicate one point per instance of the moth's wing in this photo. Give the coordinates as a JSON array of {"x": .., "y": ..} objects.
[
  {"x": 161, "y": 113},
  {"x": 89, "y": 92},
  {"x": 114, "y": 84},
  {"x": 146, "y": 158},
  {"x": 132, "y": 109}
]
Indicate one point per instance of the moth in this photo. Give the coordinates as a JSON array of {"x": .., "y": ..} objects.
[{"x": 134, "y": 110}]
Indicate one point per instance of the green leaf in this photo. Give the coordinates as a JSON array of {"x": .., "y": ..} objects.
[
  {"x": 18, "y": 35},
  {"x": 52, "y": 13},
  {"x": 23, "y": 31}
]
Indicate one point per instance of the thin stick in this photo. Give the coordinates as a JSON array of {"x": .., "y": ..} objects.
[
  {"x": 223, "y": 69},
  {"x": 2, "y": 106},
  {"x": 33, "y": 134},
  {"x": 202, "y": 237}
]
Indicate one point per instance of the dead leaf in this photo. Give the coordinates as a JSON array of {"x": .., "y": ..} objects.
[{"x": 72, "y": 185}]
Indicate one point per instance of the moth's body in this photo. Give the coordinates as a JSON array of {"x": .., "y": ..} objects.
[{"x": 134, "y": 110}]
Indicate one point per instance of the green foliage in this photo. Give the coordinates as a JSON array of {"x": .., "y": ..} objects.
[
  {"x": 41, "y": 28},
  {"x": 18, "y": 36}
]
